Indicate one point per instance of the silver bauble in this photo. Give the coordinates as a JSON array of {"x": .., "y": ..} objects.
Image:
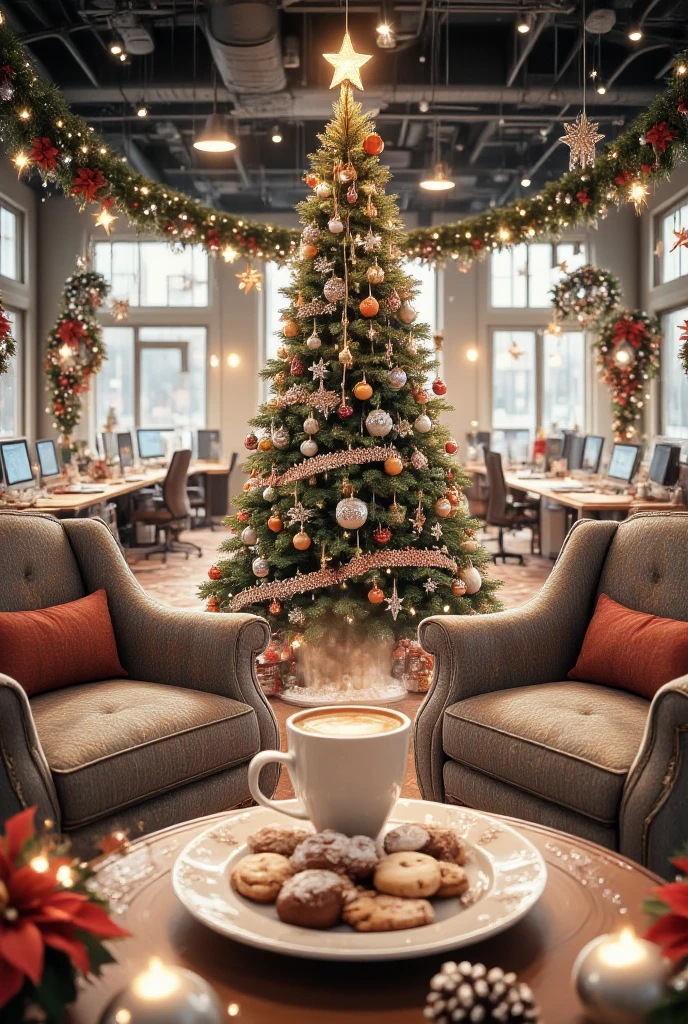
[
  {"x": 471, "y": 578},
  {"x": 334, "y": 289},
  {"x": 311, "y": 234},
  {"x": 336, "y": 226},
  {"x": 311, "y": 425},
  {"x": 351, "y": 513},
  {"x": 443, "y": 508},
  {"x": 418, "y": 460},
  {"x": 260, "y": 566},
  {"x": 407, "y": 313},
  {"x": 280, "y": 437},
  {"x": 322, "y": 190},
  {"x": 423, "y": 424},
  {"x": 396, "y": 378},
  {"x": 313, "y": 341},
  {"x": 378, "y": 423},
  {"x": 249, "y": 536},
  {"x": 309, "y": 448},
  {"x": 269, "y": 493}
]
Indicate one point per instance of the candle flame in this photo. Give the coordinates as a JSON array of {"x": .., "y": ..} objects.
[
  {"x": 623, "y": 950},
  {"x": 157, "y": 982}
]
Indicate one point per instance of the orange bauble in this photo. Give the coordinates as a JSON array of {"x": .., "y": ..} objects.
[
  {"x": 275, "y": 524},
  {"x": 290, "y": 329},
  {"x": 311, "y": 179},
  {"x": 458, "y": 587},
  {"x": 376, "y": 595},
  {"x": 214, "y": 573},
  {"x": 265, "y": 444},
  {"x": 213, "y": 604},
  {"x": 362, "y": 390},
  {"x": 369, "y": 306},
  {"x": 310, "y": 251},
  {"x": 301, "y": 541},
  {"x": 393, "y": 465},
  {"x": 373, "y": 144}
]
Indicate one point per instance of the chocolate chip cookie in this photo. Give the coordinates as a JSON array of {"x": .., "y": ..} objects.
[
  {"x": 371, "y": 912},
  {"x": 260, "y": 876}
]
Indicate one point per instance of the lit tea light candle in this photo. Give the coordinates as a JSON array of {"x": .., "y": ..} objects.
[
  {"x": 165, "y": 995},
  {"x": 620, "y": 978}
]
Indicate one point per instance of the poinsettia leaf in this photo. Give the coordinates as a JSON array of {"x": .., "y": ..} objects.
[
  {"x": 98, "y": 953},
  {"x": 58, "y": 986}
]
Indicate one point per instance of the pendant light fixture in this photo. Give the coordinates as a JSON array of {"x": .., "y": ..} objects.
[
  {"x": 437, "y": 178},
  {"x": 215, "y": 136},
  {"x": 439, "y": 181}
]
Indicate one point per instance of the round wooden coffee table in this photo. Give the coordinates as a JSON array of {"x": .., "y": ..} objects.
[{"x": 589, "y": 891}]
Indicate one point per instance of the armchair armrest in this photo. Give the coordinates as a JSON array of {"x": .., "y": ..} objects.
[
  {"x": 653, "y": 820},
  {"x": 25, "y": 777},
  {"x": 197, "y": 650},
  {"x": 536, "y": 643}
]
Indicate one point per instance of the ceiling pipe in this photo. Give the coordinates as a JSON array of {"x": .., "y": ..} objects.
[
  {"x": 63, "y": 36},
  {"x": 244, "y": 40},
  {"x": 629, "y": 60},
  {"x": 532, "y": 39}
]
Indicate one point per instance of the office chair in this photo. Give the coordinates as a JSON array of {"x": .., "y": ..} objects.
[
  {"x": 506, "y": 514},
  {"x": 173, "y": 515},
  {"x": 203, "y": 496}
]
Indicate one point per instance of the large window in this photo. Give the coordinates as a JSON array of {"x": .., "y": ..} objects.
[
  {"x": 153, "y": 377},
  {"x": 673, "y": 264},
  {"x": 10, "y": 384},
  {"x": 674, "y": 380},
  {"x": 153, "y": 273},
  {"x": 524, "y": 275},
  {"x": 10, "y": 241},
  {"x": 563, "y": 381}
]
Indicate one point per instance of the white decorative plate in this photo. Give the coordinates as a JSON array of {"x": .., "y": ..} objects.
[{"x": 507, "y": 876}]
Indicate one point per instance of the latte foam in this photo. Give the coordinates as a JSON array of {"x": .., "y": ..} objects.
[{"x": 348, "y": 723}]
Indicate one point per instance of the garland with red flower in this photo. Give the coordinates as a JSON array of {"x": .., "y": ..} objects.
[
  {"x": 75, "y": 348},
  {"x": 52, "y": 925},
  {"x": 628, "y": 352},
  {"x": 668, "y": 907},
  {"x": 586, "y": 294},
  {"x": 8, "y": 346}
]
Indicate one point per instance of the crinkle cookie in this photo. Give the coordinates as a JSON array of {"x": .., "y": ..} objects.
[
  {"x": 312, "y": 899},
  {"x": 277, "y": 839}
]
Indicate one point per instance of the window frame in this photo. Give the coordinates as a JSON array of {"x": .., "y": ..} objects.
[
  {"x": 137, "y": 307},
  {"x": 661, "y": 429},
  {"x": 677, "y": 203},
  {"x": 18, "y": 242},
  {"x": 18, "y": 332},
  {"x": 554, "y": 245}
]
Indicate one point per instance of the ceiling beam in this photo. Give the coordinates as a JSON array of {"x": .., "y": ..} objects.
[{"x": 530, "y": 42}]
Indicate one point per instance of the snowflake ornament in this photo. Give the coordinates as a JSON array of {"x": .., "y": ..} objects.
[
  {"x": 436, "y": 531},
  {"x": 581, "y": 136},
  {"x": 394, "y": 602},
  {"x": 430, "y": 586},
  {"x": 299, "y": 514},
  {"x": 319, "y": 370}
]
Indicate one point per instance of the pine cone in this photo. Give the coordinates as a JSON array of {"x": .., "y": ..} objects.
[{"x": 469, "y": 992}]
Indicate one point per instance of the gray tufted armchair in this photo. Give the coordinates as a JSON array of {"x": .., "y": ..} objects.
[
  {"x": 169, "y": 743},
  {"x": 504, "y": 730}
]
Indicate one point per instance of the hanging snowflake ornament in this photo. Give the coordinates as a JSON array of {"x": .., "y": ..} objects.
[
  {"x": 322, "y": 265},
  {"x": 249, "y": 278},
  {"x": 120, "y": 309},
  {"x": 436, "y": 531},
  {"x": 418, "y": 519},
  {"x": 319, "y": 370},
  {"x": 299, "y": 514},
  {"x": 315, "y": 308},
  {"x": 394, "y": 602},
  {"x": 430, "y": 586},
  {"x": 372, "y": 241},
  {"x": 297, "y": 617},
  {"x": 324, "y": 401},
  {"x": 581, "y": 137}
]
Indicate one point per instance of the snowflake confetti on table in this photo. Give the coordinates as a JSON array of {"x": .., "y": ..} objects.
[
  {"x": 394, "y": 602},
  {"x": 319, "y": 370}
]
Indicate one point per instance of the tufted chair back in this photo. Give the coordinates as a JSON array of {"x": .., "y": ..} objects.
[
  {"x": 37, "y": 565},
  {"x": 647, "y": 565}
]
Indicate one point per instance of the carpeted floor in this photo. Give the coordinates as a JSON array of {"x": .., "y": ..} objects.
[{"x": 175, "y": 583}]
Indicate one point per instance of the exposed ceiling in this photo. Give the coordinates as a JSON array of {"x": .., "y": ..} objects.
[{"x": 460, "y": 77}]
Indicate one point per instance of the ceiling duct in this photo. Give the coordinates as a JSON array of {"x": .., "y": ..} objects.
[
  {"x": 244, "y": 39},
  {"x": 136, "y": 38}
]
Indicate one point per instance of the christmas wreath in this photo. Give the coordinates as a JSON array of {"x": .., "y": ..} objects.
[
  {"x": 628, "y": 347},
  {"x": 586, "y": 294},
  {"x": 8, "y": 346},
  {"x": 52, "y": 924},
  {"x": 75, "y": 347}
]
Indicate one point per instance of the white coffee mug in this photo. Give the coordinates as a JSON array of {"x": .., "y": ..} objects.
[{"x": 348, "y": 783}]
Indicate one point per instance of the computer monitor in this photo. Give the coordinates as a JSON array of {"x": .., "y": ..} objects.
[
  {"x": 209, "y": 445},
  {"x": 125, "y": 448},
  {"x": 109, "y": 445},
  {"x": 664, "y": 468},
  {"x": 592, "y": 453},
  {"x": 151, "y": 444},
  {"x": 553, "y": 447},
  {"x": 47, "y": 458},
  {"x": 16, "y": 464},
  {"x": 623, "y": 462},
  {"x": 574, "y": 451}
]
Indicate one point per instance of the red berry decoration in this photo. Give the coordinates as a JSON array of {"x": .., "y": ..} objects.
[
  {"x": 450, "y": 475},
  {"x": 344, "y": 410},
  {"x": 451, "y": 447},
  {"x": 243, "y": 516},
  {"x": 373, "y": 144},
  {"x": 214, "y": 573},
  {"x": 251, "y": 442},
  {"x": 382, "y": 535},
  {"x": 439, "y": 387},
  {"x": 477, "y": 244}
]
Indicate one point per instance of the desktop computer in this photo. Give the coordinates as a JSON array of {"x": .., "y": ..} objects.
[
  {"x": 16, "y": 464},
  {"x": 623, "y": 464},
  {"x": 108, "y": 443},
  {"x": 151, "y": 443},
  {"x": 47, "y": 461},
  {"x": 574, "y": 451},
  {"x": 665, "y": 464},
  {"x": 125, "y": 449},
  {"x": 592, "y": 453}
]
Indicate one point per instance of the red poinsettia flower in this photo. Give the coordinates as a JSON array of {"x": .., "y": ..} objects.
[
  {"x": 659, "y": 136},
  {"x": 5, "y": 325},
  {"x": 476, "y": 243},
  {"x": 623, "y": 177},
  {"x": 38, "y": 912},
  {"x": 87, "y": 182},
  {"x": 212, "y": 239},
  {"x": 583, "y": 198},
  {"x": 44, "y": 153},
  {"x": 684, "y": 337},
  {"x": 681, "y": 237},
  {"x": 71, "y": 332}
]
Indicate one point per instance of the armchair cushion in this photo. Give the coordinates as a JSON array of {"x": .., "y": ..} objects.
[
  {"x": 115, "y": 743},
  {"x": 632, "y": 650},
  {"x": 49, "y": 648},
  {"x": 569, "y": 743}
]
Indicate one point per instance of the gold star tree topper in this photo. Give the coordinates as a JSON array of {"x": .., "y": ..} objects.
[
  {"x": 249, "y": 278},
  {"x": 581, "y": 136},
  {"x": 346, "y": 64}
]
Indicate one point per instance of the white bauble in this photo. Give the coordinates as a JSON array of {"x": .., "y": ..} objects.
[
  {"x": 423, "y": 424},
  {"x": 313, "y": 341},
  {"x": 280, "y": 437},
  {"x": 322, "y": 190},
  {"x": 309, "y": 448},
  {"x": 269, "y": 493},
  {"x": 311, "y": 425},
  {"x": 378, "y": 423},
  {"x": 471, "y": 578},
  {"x": 396, "y": 378},
  {"x": 351, "y": 513},
  {"x": 443, "y": 508},
  {"x": 260, "y": 566},
  {"x": 336, "y": 226},
  {"x": 249, "y": 536},
  {"x": 407, "y": 313}
]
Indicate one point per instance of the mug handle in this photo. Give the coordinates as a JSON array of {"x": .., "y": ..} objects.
[{"x": 254, "y": 769}]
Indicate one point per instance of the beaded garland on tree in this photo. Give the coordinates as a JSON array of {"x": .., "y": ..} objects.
[
  {"x": 628, "y": 354},
  {"x": 75, "y": 348}
]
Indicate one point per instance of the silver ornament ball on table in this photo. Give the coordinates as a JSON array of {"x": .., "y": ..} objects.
[
  {"x": 351, "y": 513},
  {"x": 378, "y": 423}
]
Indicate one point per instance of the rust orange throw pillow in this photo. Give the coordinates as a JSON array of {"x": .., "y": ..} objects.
[
  {"x": 54, "y": 647},
  {"x": 632, "y": 650}
]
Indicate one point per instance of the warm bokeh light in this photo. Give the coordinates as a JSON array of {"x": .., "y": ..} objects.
[
  {"x": 157, "y": 982},
  {"x": 472, "y": 355},
  {"x": 233, "y": 360}
]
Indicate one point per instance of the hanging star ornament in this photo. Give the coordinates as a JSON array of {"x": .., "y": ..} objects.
[
  {"x": 436, "y": 531},
  {"x": 249, "y": 278},
  {"x": 681, "y": 237},
  {"x": 319, "y": 370},
  {"x": 581, "y": 136},
  {"x": 120, "y": 309},
  {"x": 394, "y": 602},
  {"x": 346, "y": 64},
  {"x": 105, "y": 219}
]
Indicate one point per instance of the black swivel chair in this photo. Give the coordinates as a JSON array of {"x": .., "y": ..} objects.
[
  {"x": 506, "y": 514},
  {"x": 173, "y": 513}
]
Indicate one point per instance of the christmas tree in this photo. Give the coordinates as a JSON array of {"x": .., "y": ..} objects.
[{"x": 352, "y": 524}]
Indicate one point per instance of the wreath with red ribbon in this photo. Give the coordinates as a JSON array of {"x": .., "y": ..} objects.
[
  {"x": 628, "y": 350},
  {"x": 8, "y": 346}
]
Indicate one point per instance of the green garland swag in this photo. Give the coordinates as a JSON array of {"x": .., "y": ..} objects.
[
  {"x": 8, "y": 345},
  {"x": 75, "y": 348},
  {"x": 40, "y": 130},
  {"x": 683, "y": 351},
  {"x": 588, "y": 294},
  {"x": 628, "y": 350}
]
